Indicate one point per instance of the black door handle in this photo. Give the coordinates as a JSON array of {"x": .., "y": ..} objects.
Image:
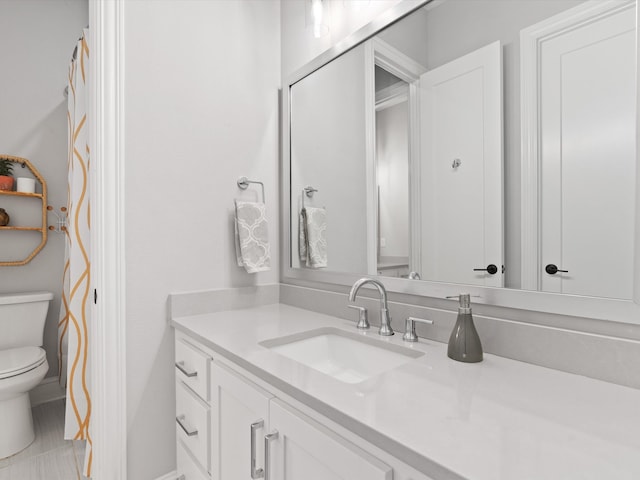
[
  {"x": 491, "y": 269},
  {"x": 552, "y": 269}
]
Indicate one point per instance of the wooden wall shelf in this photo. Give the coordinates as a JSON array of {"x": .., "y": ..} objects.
[
  {"x": 42, "y": 229},
  {"x": 21, "y": 194},
  {"x": 23, "y": 229}
]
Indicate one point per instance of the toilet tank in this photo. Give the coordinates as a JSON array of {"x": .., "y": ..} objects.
[{"x": 22, "y": 318}]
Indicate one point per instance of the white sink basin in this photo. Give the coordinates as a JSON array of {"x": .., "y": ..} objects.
[{"x": 348, "y": 357}]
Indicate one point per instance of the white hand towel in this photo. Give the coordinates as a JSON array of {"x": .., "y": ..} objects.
[
  {"x": 253, "y": 251},
  {"x": 312, "y": 243}
]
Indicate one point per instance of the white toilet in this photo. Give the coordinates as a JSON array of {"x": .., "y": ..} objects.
[{"x": 23, "y": 365}]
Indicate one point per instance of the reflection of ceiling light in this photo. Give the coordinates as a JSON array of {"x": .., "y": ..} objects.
[
  {"x": 317, "y": 13},
  {"x": 356, "y": 4}
]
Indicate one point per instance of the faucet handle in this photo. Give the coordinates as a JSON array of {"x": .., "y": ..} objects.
[
  {"x": 363, "y": 321},
  {"x": 410, "y": 328}
]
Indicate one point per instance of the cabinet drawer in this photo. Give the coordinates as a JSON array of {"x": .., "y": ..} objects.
[
  {"x": 187, "y": 467},
  {"x": 192, "y": 368},
  {"x": 192, "y": 424}
]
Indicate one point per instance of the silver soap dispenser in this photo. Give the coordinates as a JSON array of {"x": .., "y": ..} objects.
[{"x": 464, "y": 343}]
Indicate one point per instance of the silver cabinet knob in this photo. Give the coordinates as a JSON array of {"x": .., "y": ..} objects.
[{"x": 410, "y": 328}]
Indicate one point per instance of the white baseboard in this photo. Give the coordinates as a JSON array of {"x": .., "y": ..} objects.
[
  {"x": 169, "y": 476},
  {"x": 47, "y": 391}
]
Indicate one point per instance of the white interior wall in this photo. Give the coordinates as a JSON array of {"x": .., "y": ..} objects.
[
  {"x": 201, "y": 101},
  {"x": 392, "y": 157},
  {"x": 37, "y": 38}
]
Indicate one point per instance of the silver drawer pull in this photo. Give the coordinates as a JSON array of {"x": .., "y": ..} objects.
[
  {"x": 180, "y": 366},
  {"x": 255, "y": 472},
  {"x": 267, "y": 453},
  {"x": 180, "y": 419}
]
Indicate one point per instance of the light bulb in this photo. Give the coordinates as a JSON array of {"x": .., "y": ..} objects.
[{"x": 317, "y": 13}]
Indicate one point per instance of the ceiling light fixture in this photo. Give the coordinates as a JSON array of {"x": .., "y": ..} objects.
[{"x": 317, "y": 14}]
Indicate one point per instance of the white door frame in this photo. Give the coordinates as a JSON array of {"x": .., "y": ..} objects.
[
  {"x": 531, "y": 39},
  {"x": 408, "y": 70},
  {"x": 108, "y": 347}
]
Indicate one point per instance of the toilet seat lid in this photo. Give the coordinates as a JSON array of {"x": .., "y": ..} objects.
[{"x": 15, "y": 361}]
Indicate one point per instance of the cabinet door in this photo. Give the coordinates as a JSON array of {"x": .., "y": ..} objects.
[
  {"x": 304, "y": 449},
  {"x": 188, "y": 468},
  {"x": 237, "y": 405}
]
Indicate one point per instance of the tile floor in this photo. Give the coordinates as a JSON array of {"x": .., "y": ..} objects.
[{"x": 50, "y": 456}]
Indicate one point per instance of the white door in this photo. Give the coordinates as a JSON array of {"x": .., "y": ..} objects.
[
  {"x": 461, "y": 169},
  {"x": 588, "y": 157},
  {"x": 304, "y": 449},
  {"x": 239, "y": 420}
]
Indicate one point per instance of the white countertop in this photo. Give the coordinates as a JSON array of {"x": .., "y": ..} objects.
[{"x": 495, "y": 420}]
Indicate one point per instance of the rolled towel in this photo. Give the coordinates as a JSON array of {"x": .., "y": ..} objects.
[
  {"x": 253, "y": 251},
  {"x": 312, "y": 243}
]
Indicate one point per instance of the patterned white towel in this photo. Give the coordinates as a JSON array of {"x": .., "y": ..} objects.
[
  {"x": 252, "y": 237},
  {"x": 312, "y": 237}
]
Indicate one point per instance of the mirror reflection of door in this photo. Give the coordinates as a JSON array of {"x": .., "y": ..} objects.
[
  {"x": 392, "y": 173},
  {"x": 461, "y": 170},
  {"x": 586, "y": 67}
]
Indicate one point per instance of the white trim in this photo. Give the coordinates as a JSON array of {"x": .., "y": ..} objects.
[
  {"x": 371, "y": 161},
  {"x": 395, "y": 62},
  {"x": 108, "y": 347},
  {"x": 392, "y": 95},
  {"x": 529, "y": 153},
  {"x": 48, "y": 390},
  {"x": 415, "y": 172},
  {"x": 408, "y": 70}
]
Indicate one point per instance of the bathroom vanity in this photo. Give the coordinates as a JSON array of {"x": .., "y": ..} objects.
[{"x": 253, "y": 397}]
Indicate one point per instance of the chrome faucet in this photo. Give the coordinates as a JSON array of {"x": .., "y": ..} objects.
[{"x": 385, "y": 320}]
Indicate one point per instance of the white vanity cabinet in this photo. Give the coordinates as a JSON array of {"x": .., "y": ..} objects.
[
  {"x": 193, "y": 410},
  {"x": 300, "y": 447},
  {"x": 238, "y": 425},
  {"x": 246, "y": 445},
  {"x": 231, "y": 425}
]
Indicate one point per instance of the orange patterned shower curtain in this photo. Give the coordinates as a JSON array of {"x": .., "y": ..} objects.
[{"x": 75, "y": 310}]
